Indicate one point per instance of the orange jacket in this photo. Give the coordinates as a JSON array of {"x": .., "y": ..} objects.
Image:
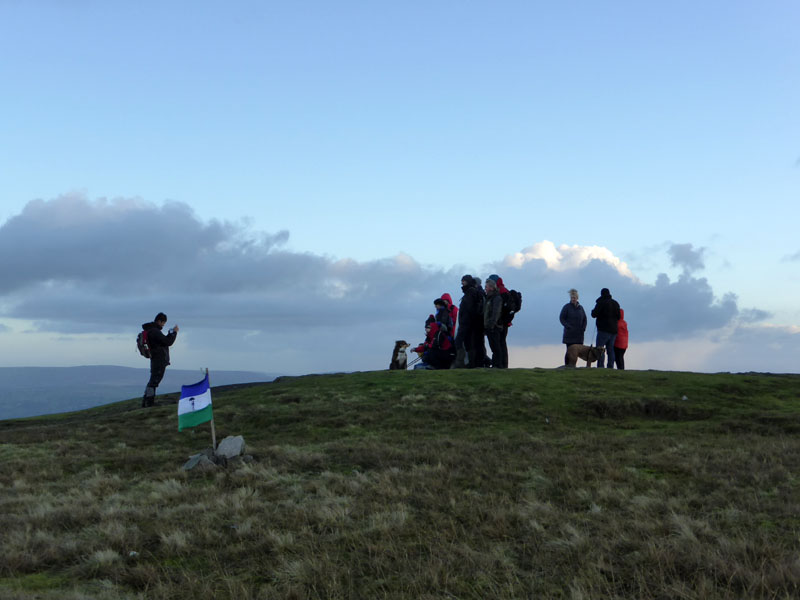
[{"x": 622, "y": 331}]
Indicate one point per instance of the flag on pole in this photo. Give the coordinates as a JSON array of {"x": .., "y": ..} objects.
[{"x": 194, "y": 406}]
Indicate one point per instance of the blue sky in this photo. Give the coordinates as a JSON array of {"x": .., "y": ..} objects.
[{"x": 415, "y": 140}]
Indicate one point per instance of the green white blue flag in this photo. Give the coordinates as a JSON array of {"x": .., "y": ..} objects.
[{"x": 194, "y": 406}]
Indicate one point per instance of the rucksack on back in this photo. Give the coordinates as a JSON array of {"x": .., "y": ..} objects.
[
  {"x": 512, "y": 304},
  {"x": 515, "y": 300},
  {"x": 141, "y": 344}
]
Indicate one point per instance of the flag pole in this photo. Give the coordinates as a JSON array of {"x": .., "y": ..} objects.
[{"x": 213, "y": 431}]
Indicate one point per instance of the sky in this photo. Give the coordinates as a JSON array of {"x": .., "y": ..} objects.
[{"x": 294, "y": 183}]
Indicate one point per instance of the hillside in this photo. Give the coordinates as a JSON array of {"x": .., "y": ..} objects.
[{"x": 573, "y": 484}]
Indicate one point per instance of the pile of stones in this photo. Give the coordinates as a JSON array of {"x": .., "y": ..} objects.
[{"x": 229, "y": 454}]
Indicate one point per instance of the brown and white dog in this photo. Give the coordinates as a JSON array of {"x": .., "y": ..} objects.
[
  {"x": 588, "y": 353},
  {"x": 399, "y": 357}
]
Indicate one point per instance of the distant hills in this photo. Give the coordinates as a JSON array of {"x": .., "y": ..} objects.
[{"x": 32, "y": 391}]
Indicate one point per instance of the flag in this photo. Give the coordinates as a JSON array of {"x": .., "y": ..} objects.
[{"x": 194, "y": 407}]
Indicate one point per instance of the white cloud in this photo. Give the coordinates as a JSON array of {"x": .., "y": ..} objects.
[{"x": 566, "y": 258}]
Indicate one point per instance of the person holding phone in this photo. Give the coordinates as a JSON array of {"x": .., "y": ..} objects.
[{"x": 159, "y": 344}]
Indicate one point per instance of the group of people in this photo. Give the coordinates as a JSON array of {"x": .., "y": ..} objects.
[
  {"x": 612, "y": 329},
  {"x": 454, "y": 335}
]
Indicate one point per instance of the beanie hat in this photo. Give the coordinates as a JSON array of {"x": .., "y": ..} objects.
[{"x": 494, "y": 277}]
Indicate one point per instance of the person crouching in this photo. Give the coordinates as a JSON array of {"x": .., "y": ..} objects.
[{"x": 438, "y": 349}]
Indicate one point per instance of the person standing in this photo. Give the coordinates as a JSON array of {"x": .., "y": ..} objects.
[
  {"x": 481, "y": 356},
  {"x": 607, "y": 314},
  {"x": 159, "y": 344},
  {"x": 505, "y": 317},
  {"x": 492, "y": 323},
  {"x": 470, "y": 325},
  {"x": 621, "y": 341},
  {"x": 573, "y": 319}
]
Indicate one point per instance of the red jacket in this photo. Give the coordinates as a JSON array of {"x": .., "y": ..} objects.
[
  {"x": 622, "y": 332},
  {"x": 453, "y": 309}
]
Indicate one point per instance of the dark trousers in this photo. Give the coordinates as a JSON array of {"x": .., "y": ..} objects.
[
  {"x": 566, "y": 354},
  {"x": 475, "y": 350},
  {"x": 619, "y": 357},
  {"x": 157, "y": 370},
  {"x": 478, "y": 350},
  {"x": 495, "y": 337},
  {"x": 463, "y": 343}
]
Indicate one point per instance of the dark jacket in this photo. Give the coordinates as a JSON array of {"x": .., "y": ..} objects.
[
  {"x": 470, "y": 313},
  {"x": 492, "y": 311},
  {"x": 445, "y": 320},
  {"x": 606, "y": 311},
  {"x": 573, "y": 318},
  {"x": 158, "y": 342}
]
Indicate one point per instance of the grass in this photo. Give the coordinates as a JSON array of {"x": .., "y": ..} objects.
[{"x": 535, "y": 483}]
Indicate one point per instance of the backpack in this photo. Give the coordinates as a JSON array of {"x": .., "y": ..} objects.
[
  {"x": 141, "y": 344},
  {"x": 512, "y": 303},
  {"x": 515, "y": 300}
]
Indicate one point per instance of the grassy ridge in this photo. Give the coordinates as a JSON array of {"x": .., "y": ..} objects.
[{"x": 459, "y": 484}]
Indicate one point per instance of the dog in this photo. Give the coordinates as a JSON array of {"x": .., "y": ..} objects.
[
  {"x": 588, "y": 353},
  {"x": 399, "y": 357}
]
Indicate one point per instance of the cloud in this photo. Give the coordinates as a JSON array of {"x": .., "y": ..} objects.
[
  {"x": 85, "y": 265},
  {"x": 103, "y": 267},
  {"x": 686, "y": 257},
  {"x": 792, "y": 257},
  {"x": 565, "y": 258}
]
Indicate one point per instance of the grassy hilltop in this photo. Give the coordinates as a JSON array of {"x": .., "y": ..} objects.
[{"x": 576, "y": 484}]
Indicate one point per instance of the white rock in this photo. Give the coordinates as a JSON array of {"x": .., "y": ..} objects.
[{"x": 231, "y": 446}]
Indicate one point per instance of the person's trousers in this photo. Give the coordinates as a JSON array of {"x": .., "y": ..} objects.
[
  {"x": 477, "y": 357},
  {"x": 605, "y": 339},
  {"x": 463, "y": 339},
  {"x": 619, "y": 357},
  {"x": 157, "y": 370},
  {"x": 495, "y": 337}
]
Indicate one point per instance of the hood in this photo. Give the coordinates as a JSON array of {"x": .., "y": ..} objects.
[
  {"x": 604, "y": 293},
  {"x": 150, "y": 325},
  {"x": 447, "y": 297},
  {"x": 501, "y": 287}
]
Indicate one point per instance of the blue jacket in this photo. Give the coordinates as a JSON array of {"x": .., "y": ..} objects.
[{"x": 573, "y": 318}]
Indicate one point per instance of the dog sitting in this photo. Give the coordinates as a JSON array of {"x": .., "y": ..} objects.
[
  {"x": 399, "y": 357},
  {"x": 588, "y": 353}
]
